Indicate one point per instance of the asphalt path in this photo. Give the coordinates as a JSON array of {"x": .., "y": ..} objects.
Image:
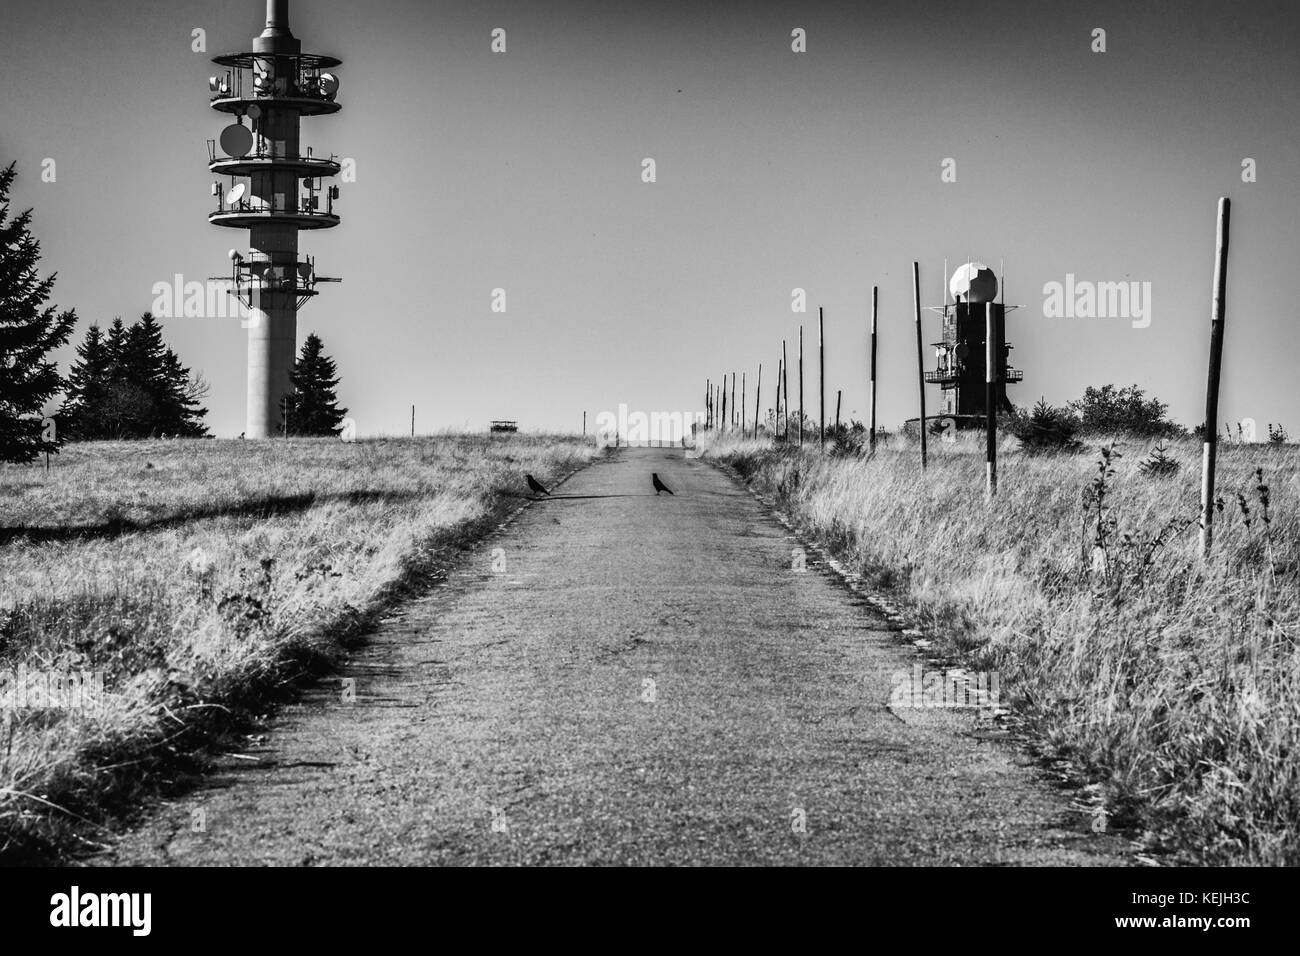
[{"x": 620, "y": 677}]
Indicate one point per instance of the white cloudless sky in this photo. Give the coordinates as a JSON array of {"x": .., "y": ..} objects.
[{"x": 775, "y": 170}]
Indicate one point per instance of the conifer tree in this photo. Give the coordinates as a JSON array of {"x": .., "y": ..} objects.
[
  {"x": 313, "y": 405},
  {"x": 29, "y": 331},
  {"x": 88, "y": 385}
]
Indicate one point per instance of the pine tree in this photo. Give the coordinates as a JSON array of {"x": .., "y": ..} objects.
[
  {"x": 29, "y": 331},
  {"x": 88, "y": 384},
  {"x": 126, "y": 403},
  {"x": 1158, "y": 464},
  {"x": 185, "y": 414},
  {"x": 1045, "y": 429},
  {"x": 143, "y": 389},
  {"x": 313, "y": 404}
]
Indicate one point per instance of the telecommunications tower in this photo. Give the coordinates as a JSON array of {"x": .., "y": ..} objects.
[{"x": 274, "y": 190}]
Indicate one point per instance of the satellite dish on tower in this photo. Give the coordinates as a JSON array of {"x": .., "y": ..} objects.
[
  {"x": 329, "y": 85},
  {"x": 236, "y": 140},
  {"x": 974, "y": 282},
  {"x": 235, "y": 194},
  {"x": 304, "y": 270}
]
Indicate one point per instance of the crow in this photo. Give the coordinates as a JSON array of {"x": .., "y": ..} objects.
[
  {"x": 659, "y": 485},
  {"x": 536, "y": 486}
]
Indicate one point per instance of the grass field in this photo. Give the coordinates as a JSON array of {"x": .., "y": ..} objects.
[
  {"x": 1173, "y": 685},
  {"x": 172, "y": 587}
]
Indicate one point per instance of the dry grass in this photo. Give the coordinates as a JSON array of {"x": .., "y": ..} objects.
[
  {"x": 196, "y": 578},
  {"x": 1175, "y": 685}
]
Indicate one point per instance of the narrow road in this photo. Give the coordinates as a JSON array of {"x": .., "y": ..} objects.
[{"x": 645, "y": 680}]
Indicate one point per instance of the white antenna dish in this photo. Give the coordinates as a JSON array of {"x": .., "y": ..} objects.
[
  {"x": 329, "y": 85},
  {"x": 236, "y": 140},
  {"x": 235, "y": 194},
  {"x": 235, "y": 256}
]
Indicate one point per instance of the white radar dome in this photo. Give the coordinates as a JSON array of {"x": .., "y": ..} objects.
[{"x": 974, "y": 282}]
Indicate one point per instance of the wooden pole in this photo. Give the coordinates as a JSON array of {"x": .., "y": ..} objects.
[
  {"x": 801, "y": 386},
  {"x": 724, "y": 402},
  {"x": 1218, "y": 315},
  {"x": 785, "y": 375},
  {"x": 875, "y": 301},
  {"x": 839, "y": 395},
  {"x": 758, "y": 398},
  {"x": 584, "y": 422},
  {"x": 708, "y": 405},
  {"x": 821, "y": 376},
  {"x": 776, "y": 422},
  {"x": 742, "y": 404},
  {"x": 733, "y": 399},
  {"x": 920, "y": 360},
  {"x": 990, "y": 401}
]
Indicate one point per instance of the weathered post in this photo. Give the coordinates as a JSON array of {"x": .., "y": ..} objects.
[
  {"x": 990, "y": 401},
  {"x": 801, "y": 386},
  {"x": 920, "y": 359},
  {"x": 839, "y": 394},
  {"x": 742, "y": 404},
  {"x": 875, "y": 291},
  {"x": 785, "y": 375},
  {"x": 1218, "y": 314},
  {"x": 758, "y": 398},
  {"x": 776, "y": 422},
  {"x": 724, "y": 403},
  {"x": 821, "y": 377}
]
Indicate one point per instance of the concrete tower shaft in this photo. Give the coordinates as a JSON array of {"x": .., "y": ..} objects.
[{"x": 277, "y": 38}]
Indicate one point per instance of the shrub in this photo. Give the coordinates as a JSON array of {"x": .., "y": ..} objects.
[
  {"x": 1108, "y": 411},
  {"x": 1045, "y": 429}
]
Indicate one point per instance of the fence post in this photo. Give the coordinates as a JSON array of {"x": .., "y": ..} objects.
[
  {"x": 875, "y": 290},
  {"x": 990, "y": 402},
  {"x": 821, "y": 377},
  {"x": 1218, "y": 314},
  {"x": 920, "y": 359}
]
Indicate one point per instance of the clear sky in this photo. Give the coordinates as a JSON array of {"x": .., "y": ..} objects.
[{"x": 775, "y": 170}]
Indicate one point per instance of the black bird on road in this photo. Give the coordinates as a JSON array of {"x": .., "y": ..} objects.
[
  {"x": 659, "y": 485},
  {"x": 536, "y": 486}
]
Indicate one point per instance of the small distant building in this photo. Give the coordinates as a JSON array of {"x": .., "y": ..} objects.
[{"x": 504, "y": 426}]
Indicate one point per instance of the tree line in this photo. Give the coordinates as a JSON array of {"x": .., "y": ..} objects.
[{"x": 124, "y": 384}]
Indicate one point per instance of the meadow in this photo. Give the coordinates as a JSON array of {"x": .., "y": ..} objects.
[
  {"x": 1169, "y": 686},
  {"x": 172, "y": 589}
]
